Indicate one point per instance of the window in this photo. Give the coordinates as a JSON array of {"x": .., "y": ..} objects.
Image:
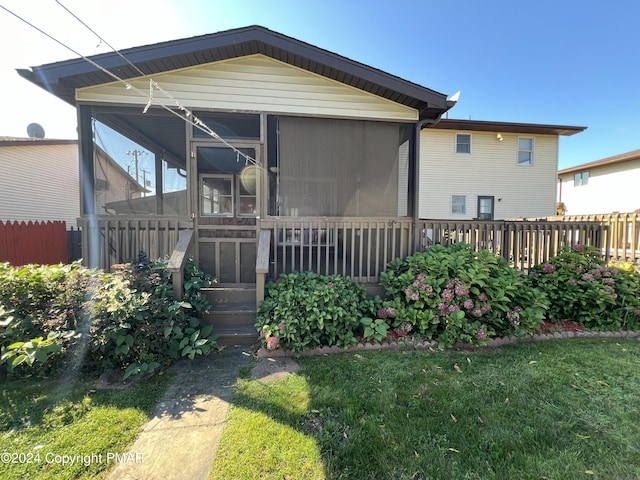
[
  {"x": 525, "y": 151},
  {"x": 485, "y": 207},
  {"x": 458, "y": 205},
  {"x": 217, "y": 195},
  {"x": 580, "y": 179},
  {"x": 463, "y": 143}
]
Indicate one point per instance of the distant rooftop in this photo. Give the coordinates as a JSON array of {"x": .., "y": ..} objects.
[
  {"x": 623, "y": 157},
  {"x": 24, "y": 141}
]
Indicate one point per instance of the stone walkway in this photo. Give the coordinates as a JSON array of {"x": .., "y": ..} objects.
[{"x": 180, "y": 440}]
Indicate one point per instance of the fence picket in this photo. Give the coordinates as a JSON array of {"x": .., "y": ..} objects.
[{"x": 33, "y": 242}]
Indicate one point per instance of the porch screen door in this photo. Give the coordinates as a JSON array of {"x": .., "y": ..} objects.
[{"x": 228, "y": 186}]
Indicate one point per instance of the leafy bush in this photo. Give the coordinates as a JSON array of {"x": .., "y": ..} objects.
[
  {"x": 454, "y": 294},
  {"x": 582, "y": 288},
  {"x": 128, "y": 319},
  {"x": 36, "y": 316},
  {"x": 306, "y": 310},
  {"x": 137, "y": 323}
]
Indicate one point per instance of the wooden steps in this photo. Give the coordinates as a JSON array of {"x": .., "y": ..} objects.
[{"x": 233, "y": 315}]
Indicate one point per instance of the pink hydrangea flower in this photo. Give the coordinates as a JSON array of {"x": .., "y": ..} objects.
[
  {"x": 573, "y": 282},
  {"x": 548, "y": 268},
  {"x": 482, "y": 297},
  {"x": 477, "y": 312},
  {"x": 447, "y": 295},
  {"x": 331, "y": 284},
  {"x": 468, "y": 304},
  {"x": 481, "y": 334},
  {"x": 461, "y": 290},
  {"x": 273, "y": 343},
  {"x": 282, "y": 326},
  {"x": 578, "y": 248}
]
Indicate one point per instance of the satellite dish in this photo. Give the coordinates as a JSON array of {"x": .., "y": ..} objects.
[{"x": 35, "y": 130}]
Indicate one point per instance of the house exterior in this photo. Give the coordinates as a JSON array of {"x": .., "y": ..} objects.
[
  {"x": 261, "y": 155},
  {"x": 243, "y": 131},
  {"x": 472, "y": 169},
  {"x": 39, "y": 180},
  {"x": 609, "y": 185}
]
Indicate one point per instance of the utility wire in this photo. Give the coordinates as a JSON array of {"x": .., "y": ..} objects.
[{"x": 194, "y": 121}]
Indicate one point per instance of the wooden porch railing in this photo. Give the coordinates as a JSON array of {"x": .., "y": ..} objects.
[
  {"x": 178, "y": 260},
  {"x": 356, "y": 247},
  {"x": 623, "y": 240},
  {"x": 111, "y": 239},
  {"x": 524, "y": 243}
]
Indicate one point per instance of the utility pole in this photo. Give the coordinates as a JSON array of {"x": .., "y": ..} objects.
[{"x": 136, "y": 154}]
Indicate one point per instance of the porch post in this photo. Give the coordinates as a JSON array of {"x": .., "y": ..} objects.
[{"x": 90, "y": 244}]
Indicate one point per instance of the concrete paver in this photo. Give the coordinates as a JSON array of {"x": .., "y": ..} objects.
[{"x": 180, "y": 440}]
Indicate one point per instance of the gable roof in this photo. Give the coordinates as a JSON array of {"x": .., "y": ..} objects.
[
  {"x": 506, "y": 127},
  {"x": 62, "y": 78},
  {"x": 621, "y": 158}
]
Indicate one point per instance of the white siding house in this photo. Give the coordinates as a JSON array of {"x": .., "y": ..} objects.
[
  {"x": 489, "y": 170},
  {"x": 605, "y": 186},
  {"x": 39, "y": 180}
]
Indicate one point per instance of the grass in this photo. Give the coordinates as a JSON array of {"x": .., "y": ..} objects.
[
  {"x": 44, "y": 419},
  {"x": 548, "y": 410}
]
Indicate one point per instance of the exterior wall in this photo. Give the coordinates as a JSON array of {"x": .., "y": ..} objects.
[
  {"x": 490, "y": 169},
  {"x": 254, "y": 83},
  {"x": 610, "y": 188},
  {"x": 39, "y": 182}
]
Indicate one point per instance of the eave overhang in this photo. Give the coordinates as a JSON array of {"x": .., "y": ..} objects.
[
  {"x": 63, "y": 78},
  {"x": 506, "y": 127}
]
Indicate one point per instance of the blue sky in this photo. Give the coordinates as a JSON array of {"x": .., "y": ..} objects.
[{"x": 561, "y": 62}]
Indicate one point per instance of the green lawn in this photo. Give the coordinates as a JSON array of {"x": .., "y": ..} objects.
[
  {"x": 548, "y": 410},
  {"x": 46, "y": 422}
]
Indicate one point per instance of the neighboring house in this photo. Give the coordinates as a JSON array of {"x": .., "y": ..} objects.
[
  {"x": 472, "y": 169},
  {"x": 313, "y": 165},
  {"x": 39, "y": 180},
  {"x": 609, "y": 185}
]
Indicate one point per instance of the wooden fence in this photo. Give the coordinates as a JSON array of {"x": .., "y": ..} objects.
[
  {"x": 623, "y": 240},
  {"x": 361, "y": 248},
  {"x": 33, "y": 242},
  {"x": 524, "y": 243}
]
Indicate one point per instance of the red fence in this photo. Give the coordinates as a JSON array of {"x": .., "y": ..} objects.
[{"x": 40, "y": 242}]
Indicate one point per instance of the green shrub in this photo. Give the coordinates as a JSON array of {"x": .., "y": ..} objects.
[
  {"x": 306, "y": 310},
  {"x": 582, "y": 288},
  {"x": 137, "y": 323},
  {"x": 454, "y": 294},
  {"x": 127, "y": 319}
]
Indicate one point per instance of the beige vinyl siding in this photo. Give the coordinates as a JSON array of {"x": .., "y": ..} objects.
[
  {"x": 39, "y": 183},
  {"x": 611, "y": 188},
  {"x": 254, "y": 83},
  {"x": 491, "y": 169}
]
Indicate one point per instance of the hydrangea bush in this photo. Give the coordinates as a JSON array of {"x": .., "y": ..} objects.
[
  {"x": 582, "y": 288},
  {"x": 306, "y": 310},
  {"x": 453, "y": 294}
]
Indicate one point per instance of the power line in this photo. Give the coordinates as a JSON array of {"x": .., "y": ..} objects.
[{"x": 188, "y": 117}]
